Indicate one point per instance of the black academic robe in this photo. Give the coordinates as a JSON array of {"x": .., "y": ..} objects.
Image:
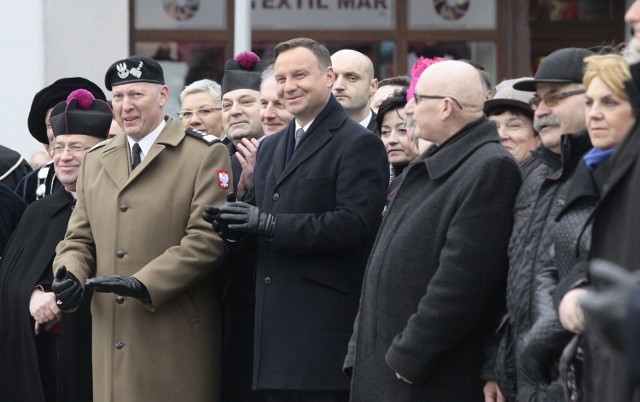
[
  {"x": 13, "y": 167},
  {"x": 26, "y": 263},
  {"x": 12, "y": 209}
]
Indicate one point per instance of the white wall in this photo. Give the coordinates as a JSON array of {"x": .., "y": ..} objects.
[{"x": 51, "y": 40}]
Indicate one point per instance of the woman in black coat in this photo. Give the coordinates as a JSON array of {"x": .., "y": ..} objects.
[{"x": 608, "y": 118}]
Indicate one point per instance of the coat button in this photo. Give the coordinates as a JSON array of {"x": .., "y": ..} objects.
[
  {"x": 267, "y": 280},
  {"x": 120, "y": 253},
  {"x": 119, "y": 345},
  {"x": 124, "y": 207},
  {"x": 276, "y": 197},
  {"x": 119, "y": 299}
]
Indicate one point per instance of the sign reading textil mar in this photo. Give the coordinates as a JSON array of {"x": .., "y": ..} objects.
[
  {"x": 451, "y": 14},
  {"x": 323, "y": 14}
]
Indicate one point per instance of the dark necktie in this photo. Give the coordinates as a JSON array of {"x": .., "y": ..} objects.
[
  {"x": 135, "y": 155},
  {"x": 299, "y": 135}
]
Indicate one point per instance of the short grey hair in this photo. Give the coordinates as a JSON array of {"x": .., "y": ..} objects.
[
  {"x": 202, "y": 86},
  {"x": 268, "y": 72}
]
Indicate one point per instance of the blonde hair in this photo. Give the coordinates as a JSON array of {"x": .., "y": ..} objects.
[{"x": 611, "y": 69}]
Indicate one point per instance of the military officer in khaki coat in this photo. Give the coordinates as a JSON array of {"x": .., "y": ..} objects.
[{"x": 137, "y": 238}]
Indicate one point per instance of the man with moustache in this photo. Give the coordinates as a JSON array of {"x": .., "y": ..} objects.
[
  {"x": 319, "y": 190},
  {"x": 354, "y": 86},
  {"x": 559, "y": 118}
]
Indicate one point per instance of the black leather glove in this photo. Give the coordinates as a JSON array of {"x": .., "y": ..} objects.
[
  {"x": 126, "y": 286},
  {"x": 605, "y": 309},
  {"x": 67, "y": 289},
  {"x": 211, "y": 214},
  {"x": 242, "y": 217}
]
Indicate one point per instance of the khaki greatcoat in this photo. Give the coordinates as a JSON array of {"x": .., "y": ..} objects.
[{"x": 148, "y": 224}]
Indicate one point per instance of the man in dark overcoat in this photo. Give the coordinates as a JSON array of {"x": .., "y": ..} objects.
[
  {"x": 438, "y": 268},
  {"x": 42, "y": 356},
  {"x": 314, "y": 210}
]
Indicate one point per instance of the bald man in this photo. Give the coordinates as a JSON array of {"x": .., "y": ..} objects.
[
  {"x": 354, "y": 86},
  {"x": 428, "y": 308}
]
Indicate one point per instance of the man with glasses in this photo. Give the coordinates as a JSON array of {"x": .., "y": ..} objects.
[
  {"x": 40, "y": 359},
  {"x": 199, "y": 107},
  {"x": 436, "y": 274},
  {"x": 559, "y": 118}
]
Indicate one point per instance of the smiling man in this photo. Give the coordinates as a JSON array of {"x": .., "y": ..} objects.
[
  {"x": 319, "y": 190},
  {"x": 46, "y": 361},
  {"x": 137, "y": 238}
]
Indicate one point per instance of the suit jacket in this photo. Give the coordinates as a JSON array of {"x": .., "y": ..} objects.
[
  {"x": 27, "y": 263},
  {"x": 328, "y": 201},
  {"x": 147, "y": 223},
  {"x": 373, "y": 125},
  {"x": 436, "y": 274}
]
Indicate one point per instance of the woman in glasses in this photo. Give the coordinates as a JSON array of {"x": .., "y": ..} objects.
[
  {"x": 199, "y": 107},
  {"x": 608, "y": 118}
]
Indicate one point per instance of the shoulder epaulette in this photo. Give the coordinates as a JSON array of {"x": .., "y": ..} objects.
[{"x": 202, "y": 136}]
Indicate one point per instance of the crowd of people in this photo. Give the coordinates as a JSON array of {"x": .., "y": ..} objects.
[{"x": 302, "y": 232}]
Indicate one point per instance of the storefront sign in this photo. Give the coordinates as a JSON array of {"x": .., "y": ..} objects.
[
  {"x": 323, "y": 14},
  {"x": 181, "y": 14},
  {"x": 451, "y": 14}
]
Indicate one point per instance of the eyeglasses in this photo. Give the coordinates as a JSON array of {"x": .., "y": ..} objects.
[
  {"x": 553, "y": 98},
  {"x": 202, "y": 112},
  {"x": 73, "y": 149},
  {"x": 417, "y": 98}
]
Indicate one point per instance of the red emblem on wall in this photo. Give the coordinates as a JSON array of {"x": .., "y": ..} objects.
[{"x": 223, "y": 179}]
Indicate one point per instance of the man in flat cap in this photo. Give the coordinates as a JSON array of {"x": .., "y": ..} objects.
[
  {"x": 137, "y": 238},
  {"x": 42, "y": 357},
  {"x": 42, "y": 181},
  {"x": 559, "y": 118}
]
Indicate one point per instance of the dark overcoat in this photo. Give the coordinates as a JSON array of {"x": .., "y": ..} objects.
[
  {"x": 616, "y": 235},
  {"x": 436, "y": 274},
  {"x": 27, "y": 263},
  {"x": 327, "y": 199}
]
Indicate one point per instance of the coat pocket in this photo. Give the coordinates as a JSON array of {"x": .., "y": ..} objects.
[{"x": 331, "y": 277}]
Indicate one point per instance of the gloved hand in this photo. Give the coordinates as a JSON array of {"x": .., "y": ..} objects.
[
  {"x": 605, "y": 309},
  {"x": 211, "y": 214},
  {"x": 242, "y": 217},
  {"x": 126, "y": 286},
  {"x": 67, "y": 289}
]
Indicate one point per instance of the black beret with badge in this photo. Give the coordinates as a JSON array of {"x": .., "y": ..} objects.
[
  {"x": 50, "y": 96},
  {"x": 134, "y": 69},
  {"x": 82, "y": 114},
  {"x": 243, "y": 72}
]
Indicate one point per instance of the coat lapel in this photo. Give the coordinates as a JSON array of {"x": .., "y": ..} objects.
[
  {"x": 115, "y": 160},
  {"x": 317, "y": 136}
]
